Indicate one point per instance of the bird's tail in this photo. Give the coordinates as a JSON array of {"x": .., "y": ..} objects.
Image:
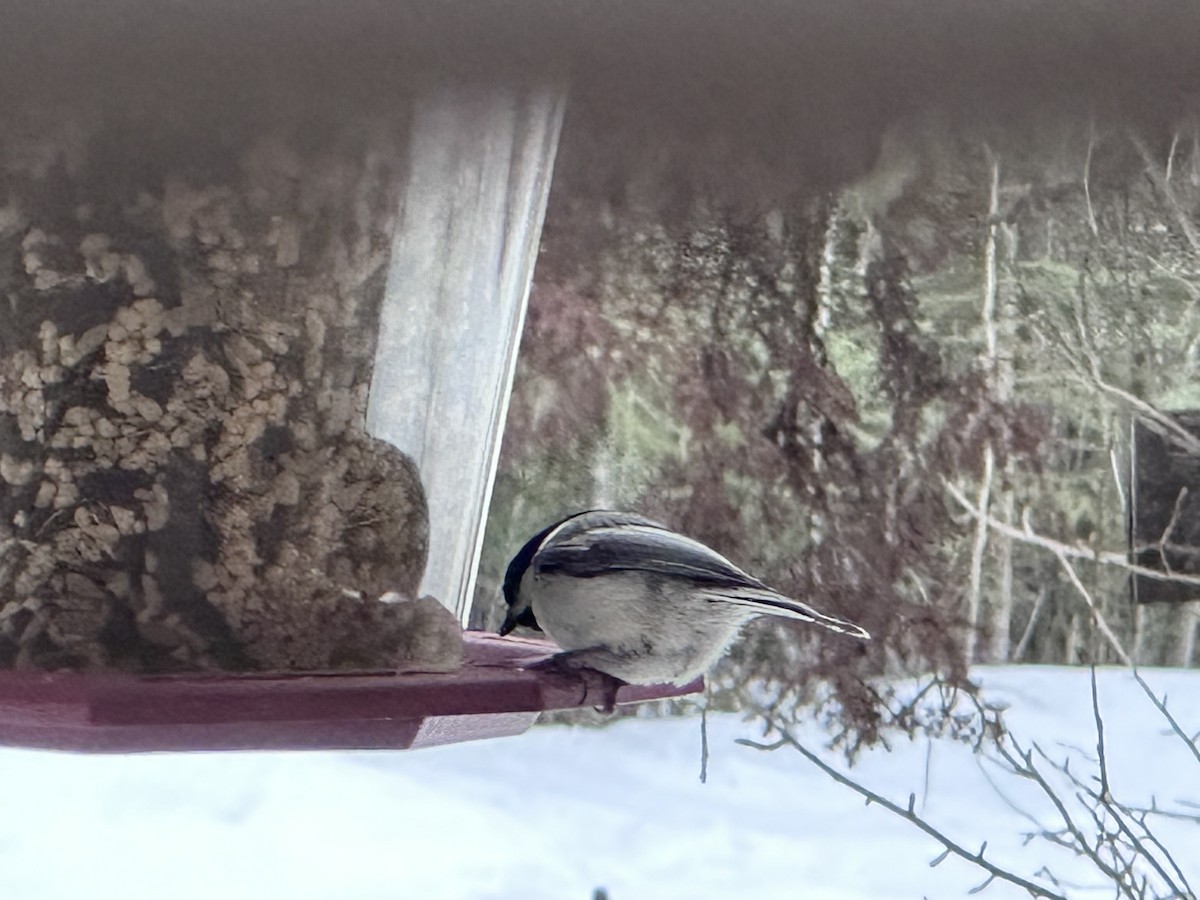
[{"x": 766, "y": 602}]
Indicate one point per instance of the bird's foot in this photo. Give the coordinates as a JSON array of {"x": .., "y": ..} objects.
[{"x": 598, "y": 687}]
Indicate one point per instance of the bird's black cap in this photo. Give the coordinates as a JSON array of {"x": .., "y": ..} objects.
[{"x": 512, "y": 581}]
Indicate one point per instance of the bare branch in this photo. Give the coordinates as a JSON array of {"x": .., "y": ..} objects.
[
  {"x": 1027, "y": 636},
  {"x": 1184, "y": 437},
  {"x": 1070, "y": 551},
  {"x": 1161, "y": 705},
  {"x": 1102, "y": 761},
  {"x": 1042, "y": 830},
  {"x": 1022, "y": 764},
  {"x": 1170, "y": 546},
  {"x": 1082, "y": 354},
  {"x": 1066, "y": 552},
  {"x": 1119, "y": 814},
  {"x": 1097, "y": 616},
  {"x": 977, "y": 859},
  {"x": 1154, "y": 810},
  {"x": 1166, "y": 535},
  {"x": 1124, "y": 845}
]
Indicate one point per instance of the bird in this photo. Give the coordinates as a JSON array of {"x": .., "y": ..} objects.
[{"x": 628, "y": 597}]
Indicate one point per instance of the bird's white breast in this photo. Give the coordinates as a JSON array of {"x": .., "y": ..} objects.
[{"x": 655, "y": 630}]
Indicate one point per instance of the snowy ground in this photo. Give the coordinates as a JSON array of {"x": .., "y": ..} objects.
[{"x": 559, "y": 811}]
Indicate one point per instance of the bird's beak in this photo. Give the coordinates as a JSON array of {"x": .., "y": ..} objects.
[{"x": 510, "y": 622}]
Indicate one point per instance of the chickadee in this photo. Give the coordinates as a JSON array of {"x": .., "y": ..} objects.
[{"x": 627, "y": 597}]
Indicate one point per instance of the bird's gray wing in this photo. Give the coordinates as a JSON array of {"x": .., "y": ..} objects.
[
  {"x": 613, "y": 542},
  {"x": 637, "y": 544}
]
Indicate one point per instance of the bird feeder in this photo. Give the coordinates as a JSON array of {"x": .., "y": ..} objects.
[{"x": 263, "y": 284}]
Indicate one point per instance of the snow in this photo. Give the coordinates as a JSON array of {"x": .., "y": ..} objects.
[{"x": 560, "y": 811}]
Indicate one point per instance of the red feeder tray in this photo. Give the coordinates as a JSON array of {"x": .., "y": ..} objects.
[{"x": 491, "y": 695}]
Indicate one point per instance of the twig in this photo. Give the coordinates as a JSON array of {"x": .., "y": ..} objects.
[
  {"x": 1185, "y": 438},
  {"x": 1161, "y": 705},
  {"x": 1104, "y": 797},
  {"x": 1154, "y": 810},
  {"x": 1166, "y": 535},
  {"x": 928, "y": 772},
  {"x": 1187, "y": 891},
  {"x": 909, "y": 814},
  {"x": 1120, "y": 813},
  {"x": 1180, "y": 888},
  {"x": 1027, "y": 636},
  {"x": 1118, "y": 847},
  {"x": 1084, "y": 356},
  {"x": 1103, "y": 557},
  {"x": 1170, "y": 546},
  {"x": 1026, "y": 769},
  {"x": 1064, "y": 553},
  {"x": 1102, "y": 762},
  {"x": 1005, "y": 799},
  {"x": 1097, "y": 616}
]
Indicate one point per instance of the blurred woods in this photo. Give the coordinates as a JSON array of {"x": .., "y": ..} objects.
[{"x": 896, "y": 381}]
